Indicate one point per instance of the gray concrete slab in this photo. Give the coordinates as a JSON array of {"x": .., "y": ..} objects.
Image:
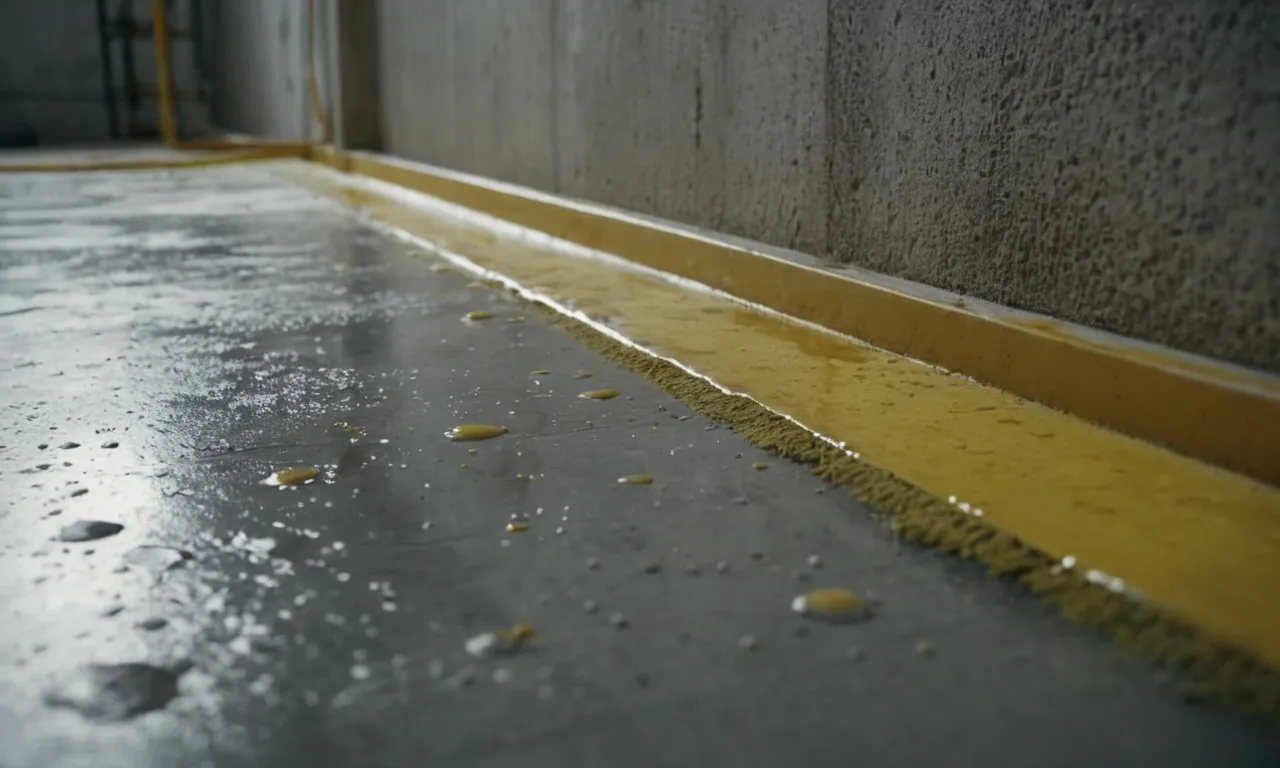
[{"x": 213, "y": 326}]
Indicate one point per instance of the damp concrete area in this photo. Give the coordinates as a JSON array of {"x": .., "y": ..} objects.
[{"x": 278, "y": 490}]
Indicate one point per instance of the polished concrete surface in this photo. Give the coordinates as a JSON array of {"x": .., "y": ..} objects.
[{"x": 184, "y": 335}]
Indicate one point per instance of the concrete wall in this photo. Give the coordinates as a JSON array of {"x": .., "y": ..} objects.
[
  {"x": 50, "y": 77},
  {"x": 1111, "y": 162},
  {"x": 259, "y": 69},
  {"x": 51, "y": 71}
]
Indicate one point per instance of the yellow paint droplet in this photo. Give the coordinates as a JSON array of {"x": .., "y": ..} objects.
[
  {"x": 835, "y": 605},
  {"x": 348, "y": 428},
  {"x": 502, "y": 641},
  {"x": 294, "y": 476},
  {"x": 517, "y": 527},
  {"x": 636, "y": 480},
  {"x": 477, "y": 315},
  {"x": 582, "y": 375},
  {"x": 760, "y": 465},
  {"x": 600, "y": 394},
  {"x": 468, "y": 432},
  {"x": 541, "y": 372}
]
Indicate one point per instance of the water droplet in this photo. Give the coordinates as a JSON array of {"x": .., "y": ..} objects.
[
  {"x": 582, "y": 375},
  {"x": 618, "y": 620},
  {"x": 600, "y": 394},
  {"x": 924, "y": 648},
  {"x": 79, "y": 492},
  {"x": 69, "y": 445},
  {"x": 748, "y": 643},
  {"x": 157, "y": 558},
  {"x": 759, "y": 466},
  {"x": 590, "y": 606},
  {"x": 593, "y": 564},
  {"x": 636, "y": 480},
  {"x": 360, "y": 672},
  {"x": 722, "y": 566},
  {"x": 470, "y": 432},
  {"x": 815, "y": 562},
  {"x": 833, "y": 605},
  {"x": 152, "y": 624},
  {"x": 477, "y": 315},
  {"x": 111, "y": 444},
  {"x": 292, "y": 476},
  {"x": 114, "y": 692},
  {"x": 89, "y": 530},
  {"x": 541, "y": 372},
  {"x": 653, "y": 568}
]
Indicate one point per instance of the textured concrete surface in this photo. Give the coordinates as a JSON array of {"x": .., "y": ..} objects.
[
  {"x": 1110, "y": 163},
  {"x": 1104, "y": 162},
  {"x": 167, "y": 340},
  {"x": 471, "y": 81}
]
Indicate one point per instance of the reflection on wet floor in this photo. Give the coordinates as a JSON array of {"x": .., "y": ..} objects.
[{"x": 181, "y": 337}]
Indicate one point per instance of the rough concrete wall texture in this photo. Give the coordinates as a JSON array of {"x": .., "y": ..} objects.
[
  {"x": 1103, "y": 161},
  {"x": 1111, "y": 163}
]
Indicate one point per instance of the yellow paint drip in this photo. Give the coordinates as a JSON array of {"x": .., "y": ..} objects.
[
  {"x": 600, "y": 394},
  {"x": 636, "y": 480},
  {"x": 759, "y": 466},
  {"x": 464, "y": 433},
  {"x": 541, "y": 372},
  {"x": 517, "y": 527},
  {"x": 294, "y": 476},
  {"x": 834, "y": 605},
  {"x": 476, "y": 315},
  {"x": 501, "y": 641}
]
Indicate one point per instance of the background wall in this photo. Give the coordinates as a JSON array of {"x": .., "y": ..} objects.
[
  {"x": 258, "y": 68},
  {"x": 50, "y": 75},
  {"x": 1110, "y": 162},
  {"x": 51, "y": 83}
]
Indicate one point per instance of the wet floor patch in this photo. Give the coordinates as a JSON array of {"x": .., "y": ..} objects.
[{"x": 114, "y": 692}]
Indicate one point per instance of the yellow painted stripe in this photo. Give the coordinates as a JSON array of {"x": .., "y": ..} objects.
[
  {"x": 1223, "y": 415},
  {"x": 1200, "y": 542}
]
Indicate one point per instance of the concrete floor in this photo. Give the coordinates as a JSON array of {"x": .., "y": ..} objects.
[{"x": 216, "y": 324}]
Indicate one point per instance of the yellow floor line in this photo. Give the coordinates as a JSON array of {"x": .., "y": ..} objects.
[
  {"x": 1198, "y": 541},
  {"x": 1225, "y": 415}
]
